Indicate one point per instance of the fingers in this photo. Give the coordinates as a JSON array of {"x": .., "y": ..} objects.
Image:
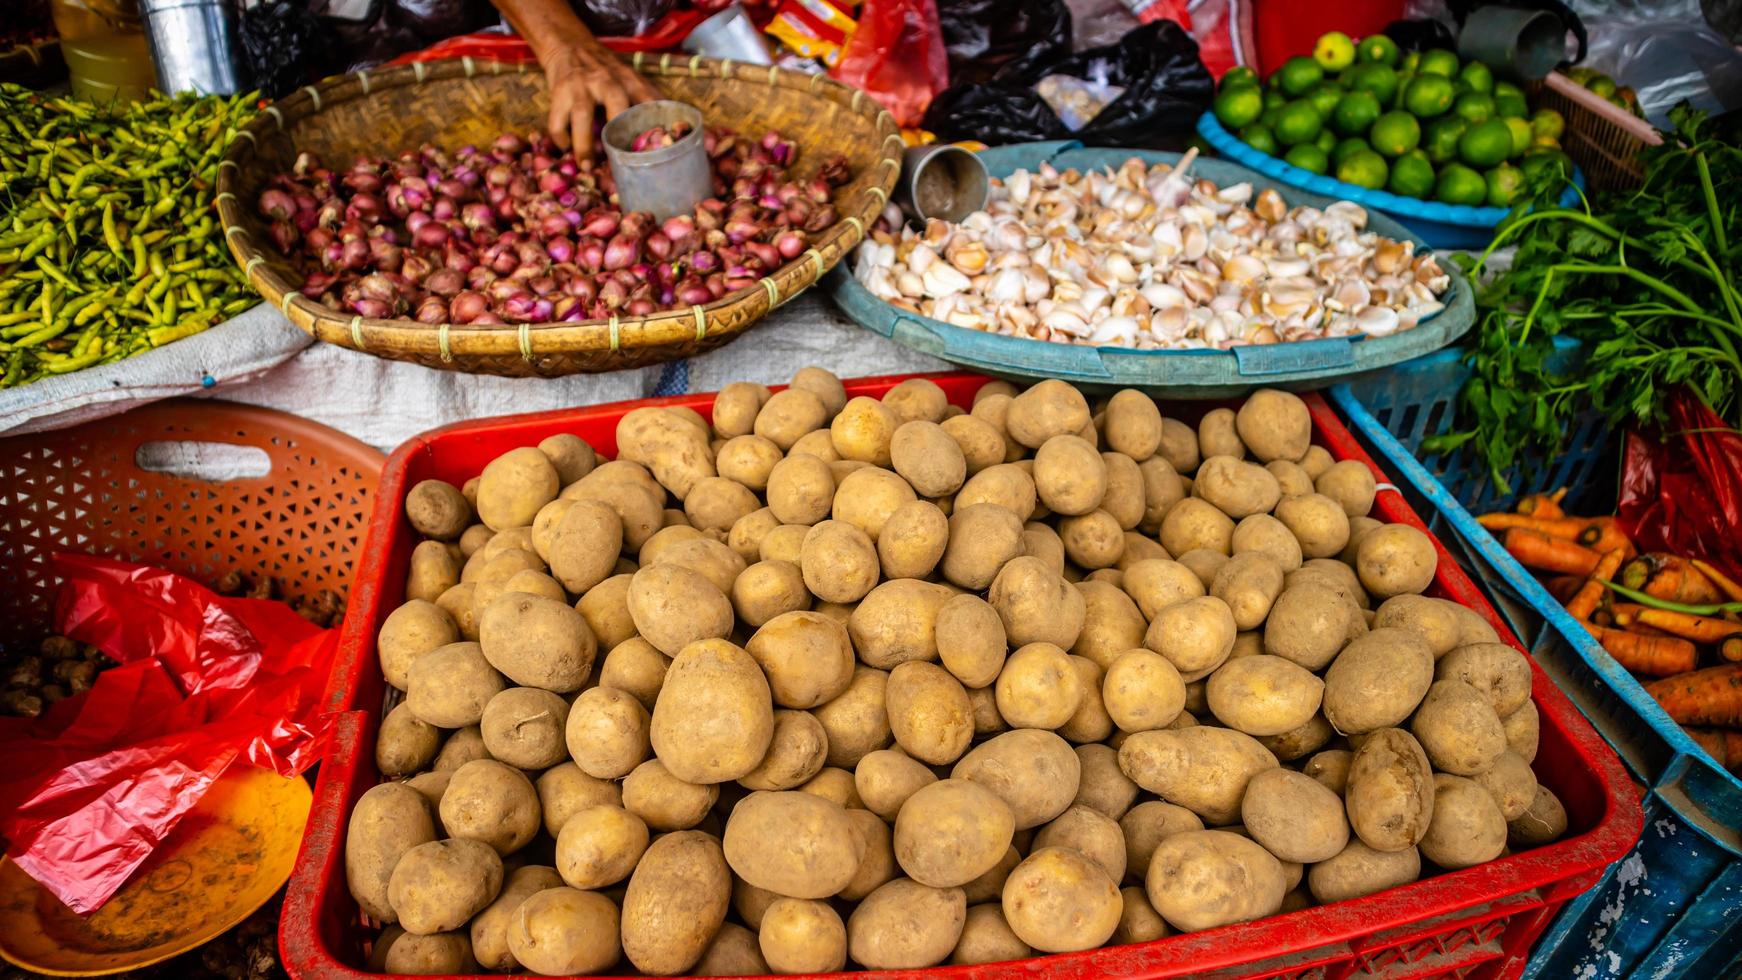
[
  {"x": 557, "y": 125},
  {"x": 615, "y": 99},
  {"x": 638, "y": 87},
  {"x": 581, "y": 119}
]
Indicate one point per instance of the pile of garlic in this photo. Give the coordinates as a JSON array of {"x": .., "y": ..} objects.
[{"x": 1148, "y": 258}]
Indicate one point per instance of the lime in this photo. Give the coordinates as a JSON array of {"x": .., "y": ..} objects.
[
  {"x": 1509, "y": 100},
  {"x": 1440, "y": 139},
  {"x": 1411, "y": 62},
  {"x": 1297, "y": 122},
  {"x": 1395, "y": 133},
  {"x": 1238, "y": 106},
  {"x": 1274, "y": 99},
  {"x": 1411, "y": 175},
  {"x": 1298, "y": 75},
  {"x": 1426, "y": 96},
  {"x": 1461, "y": 87},
  {"x": 1341, "y": 151},
  {"x": 1403, "y": 80},
  {"x": 1363, "y": 168},
  {"x": 1474, "y": 107},
  {"x": 1310, "y": 158},
  {"x": 1377, "y": 49},
  {"x": 1504, "y": 183},
  {"x": 1458, "y": 184},
  {"x": 1479, "y": 75},
  {"x": 1521, "y": 134},
  {"x": 1326, "y": 140},
  {"x": 1544, "y": 143},
  {"x": 1259, "y": 138},
  {"x": 1355, "y": 112},
  {"x": 1439, "y": 61},
  {"x": 1334, "y": 51},
  {"x": 1325, "y": 98},
  {"x": 1485, "y": 144},
  {"x": 1239, "y": 75},
  {"x": 1380, "y": 80},
  {"x": 1271, "y": 114},
  {"x": 1602, "y": 85},
  {"x": 1581, "y": 74},
  {"x": 1547, "y": 122}
]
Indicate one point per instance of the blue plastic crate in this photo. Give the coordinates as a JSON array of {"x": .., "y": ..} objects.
[{"x": 1673, "y": 907}]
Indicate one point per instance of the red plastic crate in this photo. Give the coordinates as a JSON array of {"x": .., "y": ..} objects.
[{"x": 1479, "y": 922}]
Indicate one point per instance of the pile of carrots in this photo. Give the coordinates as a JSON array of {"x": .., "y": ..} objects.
[{"x": 1660, "y": 616}]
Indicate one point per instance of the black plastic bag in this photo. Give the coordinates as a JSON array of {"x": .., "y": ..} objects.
[
  {"x": 437, "y": 20},
  {"x": 983, "y": 36},
  {"x": 1166, "y": 89},
  {"x": 286, "y": 46},
  {"x": 622, "y": 18}
]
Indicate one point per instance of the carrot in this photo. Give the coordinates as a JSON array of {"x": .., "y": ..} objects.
[
  {"x": 1715, "y": 744},
  {"x": 1731, "y": 649},
  {"x": 1603, "y": 534},
  {"x": 1543, "y": 504},
  {"x": 1624, "y": 612},
  {"x": 1564, "y": 587},
  {"x": 1703, "y": 697},
  {"x": 1669, "y": 578},
  {"x": 1584, "y": 602},
  {"x": 1700, "y": 629},
  {"x": 1658, "y": 656},
  {"x": 1550, "y": 554},
  {"x": 1555, "y": 527},
  {"x": 1731, "y": 588}
]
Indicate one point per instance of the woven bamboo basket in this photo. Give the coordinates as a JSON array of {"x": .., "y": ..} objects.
[
  {"x": 1603, "y": 139},
  {"x": 451, "y": 103}
]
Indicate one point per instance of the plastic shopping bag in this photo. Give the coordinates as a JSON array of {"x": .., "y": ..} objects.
[
  {"x": 1684, "y": 495},
  {"x": 97, "y": 782},
  {"x": 897, "y": 55}
]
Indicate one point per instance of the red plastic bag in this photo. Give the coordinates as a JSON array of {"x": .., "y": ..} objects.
[
  {"x": 100, "y": 779},
  {"x": 1684, "y": 495},
  {"x": 897, "y": 56}
]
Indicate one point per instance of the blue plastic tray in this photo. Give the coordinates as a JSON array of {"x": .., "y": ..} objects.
[
  {"x": 1673, "y": 907},
  {"x": 1169, "y": 374},
  {"x": 1440, "y": 225}
]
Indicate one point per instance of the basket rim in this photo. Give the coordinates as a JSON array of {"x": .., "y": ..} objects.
[{"x": 271, "y": 275}]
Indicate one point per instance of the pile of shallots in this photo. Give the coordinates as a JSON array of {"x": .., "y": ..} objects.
[
  {"x": 1148, "y": 258},
  {"x": 521, "y": 232}
]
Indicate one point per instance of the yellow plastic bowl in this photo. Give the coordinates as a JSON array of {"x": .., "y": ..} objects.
[{"x": 223, "y": 861}]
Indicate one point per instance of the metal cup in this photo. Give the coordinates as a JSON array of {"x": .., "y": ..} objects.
[
  {"x": 729, "y": 34},
  {"x": 668, "y": 181},
  {"x": 193, "y": 44},
  {"x": 1521, "y": 44},
  {"x": 942, "y": 181}
]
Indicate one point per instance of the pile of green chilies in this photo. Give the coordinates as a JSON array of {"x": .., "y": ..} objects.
[{"x": 109, "y": 241}]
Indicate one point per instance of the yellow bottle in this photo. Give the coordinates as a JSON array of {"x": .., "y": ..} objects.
[{"x": 103, "y": 42}]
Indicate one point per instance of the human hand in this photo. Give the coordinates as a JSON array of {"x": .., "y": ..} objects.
[{"x": 582, "y": 77}]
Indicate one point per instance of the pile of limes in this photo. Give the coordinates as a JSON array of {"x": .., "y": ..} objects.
[
  {"x": 1603, "y": 85},
  {"x": 1420, "y": 124}
]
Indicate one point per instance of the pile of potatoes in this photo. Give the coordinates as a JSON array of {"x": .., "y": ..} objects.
[{"x": 881, "y": 682}]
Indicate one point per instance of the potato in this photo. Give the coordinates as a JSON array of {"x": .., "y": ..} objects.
[
  {"x": 433, "y": 571},
  {"x": 1034, "y": 772},
  {"x": 513, "y": 487},
  {"x": 1274, "y": 425},
  {"x": 1472, "y": 628},
  {"x": 1202, "y": 769},
  {"x": 1157, "y": 583},
  {"x": 414, "y": 629},
  {"x": 1377, "y": 681},
  {"x": 789, "y": 414},
  {"x": 982, "y": 538},
  {"x": 1330, "y": 768},
  {"x": 1522, "y": 731},
  {"x": 1102, "y": 786},
  {"x": 1294, "y": 816},
  {"x": 1434, "y": 620},
  {"x": 987, "y": 938},
  {"x": 1291, "y": 478},
  {"x": 1058, "y": 900},
  {"x": 1248, "y": 583},
  {"x": 1358, "y": 529},
  {"x": 886, "y": 778},
  {"x": 897, "y": 622},
  {"x": 405, "y": 744},
  {"x": 1317, "y": 522},
  {"x": 864, "y": 430},
  {"x": 768, "y": 589},
  {"x": 1195, "y": 635},
  {"x": 673, "y": 606},
  {"x": 607, "y": 733},
  {"x": 523, "y": 726},
  {"x": 822, "y": 383},
  {"x": 449, "y": 686},
  {"x": 1179, "y": 445},
  {"x": 1341, "y": 579},
  {"x": 1511, "y": 783},
  {"x": 1036, "y": 605},
  {"x": 801, "y": 490},
  {"x": 866, "y": 497},
  {"x": 474, "y": 537},
  {"x": 1008, "y": 485},
  {"x": 795, "y": 753},
  {"x": 1112, "y": 623},
  {"x": 912, "y": 540},
  {"x": 1133, "y": 424},
  {"x": 1090, "y": 722},
  {"x": 1146, "y": 825},
  {"x": 734, "y": 952},
  {"x": 1204, "y": 563},
  {"x": 980, "y": 442},
  {"x": 794, "y": 844},
  {"x": 1092, "y": 540},
  {"x": 746, "y": 535},
  {"x": 806, "y": 656},
  {"x": 1263, "y": 695},
  {"x": 634, "y": 666},
  {"x": 1303, "y": 740},
  {"x": 488, "y": 931},
  {"x": 1193, "y": 523},
  {"x": 1142, "y": 690},
  {"x": 1467, "y": 827},
  {"x": 1458, "y": 729},
  {"x": 675, "y": 902},
  {"x": 1496, "y": 670},
  {"x": 916, "y": 398},
  {"x": 715, "y": 717},
  {"x": 839, "y": 562},
  {"x": 461, "y": 747},
  {"x": 1359, "y": 870},
  {"x": 1200, "y": 879},
  {"x": 1350, "y": 483},
  {"x": 856, "y": 720},
  {"x": 599, "y": 846},
  {"x": 950, "y": 832},
  {"x": 1090, "y": 832},
  {"x": 1308, "y": 625},
  {"x": 905, "y": 925},
  {"x": 564, "y": 931},
  {"x": 1162, "y": 489},
  {"x": 747, "y": 461},
  {"x": 564, "y": 790},
  {"x": 1265, "y": 535},
  {"x": 437, "y": 510},
  {"x": 663, "y": 801},
  {"x": 389, "y": 820},
  {"x": 970, "y": 640},
  {"x": 715, "y": 503},
  {"x": 836, "y": 786},
  {"x": 1042, "y": 542},
  {"x": 735, "y": 408},
  {"x": 491, "y": 802},
  {"x": 459, "y": 604},
  {"x": 438, "y": 886},
  {"x": 431, "y": 785},
  {"x": 1038, "y": 688},
  {"x": 1394, "y": 560},
  {"x": 1069, "y": 475},
  {"x": 1139, "y": 922},
  {"x": 1125, "y": 499},
  {"x": 800, "y": 936},
  {"x": 1545, "y": 821},
  {"x": 1236, "y": 488},
  {"x": 929, "y": 714},
  {"x": 1050, "y": 408},
  {"x": 1218, "y": 435},
  {"x": 638, "y": 509},
  {"x": 585, "y": 544},
  {"x": 1390, "y": 795},
  {"x": 926, "y": 457}
]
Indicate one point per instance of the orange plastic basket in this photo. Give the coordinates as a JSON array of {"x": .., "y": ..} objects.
[{"x": 84, "y": 489}]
